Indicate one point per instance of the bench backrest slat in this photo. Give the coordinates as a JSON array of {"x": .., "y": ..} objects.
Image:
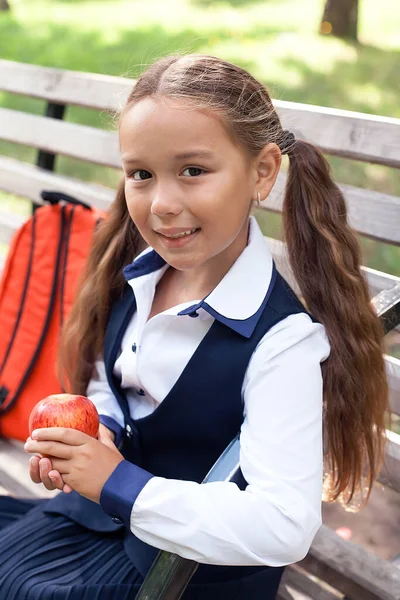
[
  {"x": 355, "y": 565},
  {"x": 359, "y": 136},
  {"x": 28, "y": 181},
  {"x": 371, "y": 213},
  {"x": 338, "y": 132},
  {"x": 86, "y": 143},
  {"x": 296, "y": 585},
  {"x": 101, "y": 92}
]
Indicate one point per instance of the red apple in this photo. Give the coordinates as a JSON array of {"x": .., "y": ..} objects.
[{"x": 65, "y": 410}]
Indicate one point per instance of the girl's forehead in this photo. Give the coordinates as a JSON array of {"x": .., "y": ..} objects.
[
  {"x": 161, "y": 126},
  {"x": 172, "y": 116}
]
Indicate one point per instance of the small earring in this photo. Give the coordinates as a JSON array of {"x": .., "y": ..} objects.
[{"x": 258, "y": 198}]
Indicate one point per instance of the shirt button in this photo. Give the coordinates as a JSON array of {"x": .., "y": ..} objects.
[
  {"x": 141, "y": 392},
  {"x": 117, "y": 520},
  {"x": 134, "y": 348}
]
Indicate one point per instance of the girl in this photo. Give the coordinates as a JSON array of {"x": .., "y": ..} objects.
[{"x": 198, "y": 338}]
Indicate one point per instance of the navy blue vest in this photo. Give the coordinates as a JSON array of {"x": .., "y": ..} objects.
[{"x": 189, "y": 430}]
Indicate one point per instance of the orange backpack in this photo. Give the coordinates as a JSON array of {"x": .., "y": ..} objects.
[{"x": 37, "y": 289}]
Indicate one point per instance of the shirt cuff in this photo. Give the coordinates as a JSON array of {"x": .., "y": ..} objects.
[
  {"x": 112, "y": 424},
  {"x": 121, "y": 489}
]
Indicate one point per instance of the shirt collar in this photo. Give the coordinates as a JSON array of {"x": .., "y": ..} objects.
[{"x": 240, "y": 297}]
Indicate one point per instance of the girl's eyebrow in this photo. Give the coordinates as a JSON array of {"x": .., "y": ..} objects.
[
  {"x": 181, "y": 156},
  {"x": 194, "y": 154}
]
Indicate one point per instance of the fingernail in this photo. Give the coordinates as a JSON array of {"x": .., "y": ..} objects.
[{"x": 34, "y": 434}]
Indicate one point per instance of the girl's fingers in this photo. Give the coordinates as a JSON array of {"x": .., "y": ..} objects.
[
  {"x": 55, "y": 477},
  {"x": 67, "y": 489},
  {"x": 49, "y": 448},
  {"x": 34, "y": 472},
  {"x": 64, "y": 435},
  {"x": 45, "y": 467},
  {"x": 41, "y": 471},
  {"x": 57, "y": 480}
]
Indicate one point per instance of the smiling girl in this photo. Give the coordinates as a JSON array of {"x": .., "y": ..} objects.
[{"x": 198, "y": 338}]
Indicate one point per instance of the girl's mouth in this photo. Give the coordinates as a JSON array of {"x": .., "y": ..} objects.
[{"x": 178, "y": 240}]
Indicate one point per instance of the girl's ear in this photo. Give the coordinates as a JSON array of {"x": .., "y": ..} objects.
[{"x": 266, "y": 166}]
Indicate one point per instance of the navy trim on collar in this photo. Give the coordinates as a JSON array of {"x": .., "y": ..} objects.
[
  {"x": 244, "y": 327},
  {"x": 149, "y": 262}
]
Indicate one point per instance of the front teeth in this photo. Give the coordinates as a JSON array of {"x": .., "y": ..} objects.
[{"x": 178, "y": 235}]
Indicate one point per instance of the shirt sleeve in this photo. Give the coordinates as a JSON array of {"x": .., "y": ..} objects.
[
  {"x": 273, "y": 521},
  {"x": 100, "y": 393}
]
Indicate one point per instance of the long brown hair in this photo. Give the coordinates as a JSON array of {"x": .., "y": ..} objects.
[{"x": 324, "y": 254}]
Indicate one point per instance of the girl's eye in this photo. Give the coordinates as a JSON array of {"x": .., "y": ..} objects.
[
  {"x": 194, "y": 171},
  {"x": 140, "y": 175}
]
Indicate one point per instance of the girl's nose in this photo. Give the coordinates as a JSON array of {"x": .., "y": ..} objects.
[{"x": 166, "y": 203}]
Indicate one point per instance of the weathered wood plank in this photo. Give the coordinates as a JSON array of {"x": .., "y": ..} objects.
[
  {"x": 9, "y": 224},
  {"x": 371, "y": 213},
  {"x": 27, "y": 181},
  {"x": 296, "y": 582},
  {"x": 390, "y": 474},
  {"x": 351, "y": 569},
  {"x": 14, "y": 472},
  {"x": 102, "y": 92},
  {"x": 377, "y": 280},
  {"x": 393, "y": 373},
  {"x": 344, "y": 133},
  {"x": 14, "y": 487},
  {"x": 59, "y": 137},
  {"x": 289, "y": 593}
]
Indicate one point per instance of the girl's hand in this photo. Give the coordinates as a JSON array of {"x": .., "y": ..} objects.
[
  {"x": 41, "y": 468},
  {"x": 73, "y": 459}
]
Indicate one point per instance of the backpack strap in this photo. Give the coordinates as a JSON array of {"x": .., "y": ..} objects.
[
  {"x": 17, "y": 365},
  {"x": 63, "y": 273},
  {"x": 24, "y": 292}
]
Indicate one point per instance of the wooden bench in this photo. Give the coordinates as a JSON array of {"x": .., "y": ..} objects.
[{"x": 334, "y": 567}]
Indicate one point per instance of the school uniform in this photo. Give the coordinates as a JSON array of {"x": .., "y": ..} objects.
[{"x": 176, "y": 390}]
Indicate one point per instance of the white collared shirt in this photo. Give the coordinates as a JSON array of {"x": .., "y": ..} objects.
[{"x": 273, "y": 521}]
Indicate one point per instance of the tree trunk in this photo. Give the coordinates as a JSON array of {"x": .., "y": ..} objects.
[
  {"x": 340, "y": 18},
  {"x": 4, "y": 5}
]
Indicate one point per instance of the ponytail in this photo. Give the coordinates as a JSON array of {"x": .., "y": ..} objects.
[
  {"x": 325, "y": 257},
  {"x": 116, "y": 242}
]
